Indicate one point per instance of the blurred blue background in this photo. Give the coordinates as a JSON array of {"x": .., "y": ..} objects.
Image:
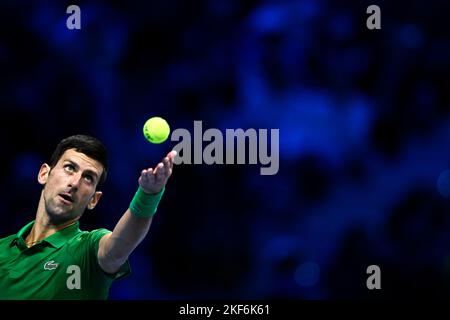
[{"x": 364, "y": 138}]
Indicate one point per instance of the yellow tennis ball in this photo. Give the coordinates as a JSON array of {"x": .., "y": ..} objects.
[{"x": 156, "y": 130}]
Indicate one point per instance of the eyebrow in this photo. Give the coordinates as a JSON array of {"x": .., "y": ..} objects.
[{"x": 88, "y": 171}]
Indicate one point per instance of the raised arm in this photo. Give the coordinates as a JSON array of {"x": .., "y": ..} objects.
[{"x": 114, "y": 248}]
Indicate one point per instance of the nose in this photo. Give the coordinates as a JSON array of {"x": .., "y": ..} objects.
[{"x": 74, "y": 181}]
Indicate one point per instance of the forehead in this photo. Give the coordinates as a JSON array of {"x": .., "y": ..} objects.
[{"x": 82, "y": 160}]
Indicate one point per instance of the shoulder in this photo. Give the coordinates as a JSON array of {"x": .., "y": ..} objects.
[
  {"x": 91, "y": 236},
  {"x": 86, "y": 243},
  {"x": 98, "y": 233},
  {"x": 7, "y": 239}
]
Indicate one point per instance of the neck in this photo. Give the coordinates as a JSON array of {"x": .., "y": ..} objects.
[
  {"x": 43, "y": 227},
  {"x": 42, "y": 230}
]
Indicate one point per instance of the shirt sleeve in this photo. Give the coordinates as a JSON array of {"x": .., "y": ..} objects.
[{"x": 94, "y": 239}]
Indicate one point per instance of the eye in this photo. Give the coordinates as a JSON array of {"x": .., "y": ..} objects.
[
  {"x": 69, "y": 168},
  {"x": 89, "y": 178}
]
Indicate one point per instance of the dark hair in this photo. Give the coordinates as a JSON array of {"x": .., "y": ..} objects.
[{"x": 88, "y": 145}]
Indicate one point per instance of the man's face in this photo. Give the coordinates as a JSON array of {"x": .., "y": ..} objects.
[{"x": 69, "y": 187}]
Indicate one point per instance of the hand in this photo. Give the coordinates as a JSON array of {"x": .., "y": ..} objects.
[{"x": 153, "y": 180}]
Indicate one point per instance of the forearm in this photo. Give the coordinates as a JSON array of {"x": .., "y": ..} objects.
[
  {"x": 114, "y": 248},
  {"x": 126, "y": 236},
  {"x": 133, "y": 226}
]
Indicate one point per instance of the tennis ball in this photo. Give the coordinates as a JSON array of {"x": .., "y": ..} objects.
[{"x": 156, "y": 130}]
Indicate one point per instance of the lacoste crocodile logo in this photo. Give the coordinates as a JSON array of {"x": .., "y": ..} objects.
[{"x": 50, "y": 265}]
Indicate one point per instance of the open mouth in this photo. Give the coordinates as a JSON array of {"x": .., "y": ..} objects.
[{"x": 66, "y": 197}]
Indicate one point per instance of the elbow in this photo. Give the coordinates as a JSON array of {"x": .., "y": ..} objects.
[{"x": 110, "y": 262}]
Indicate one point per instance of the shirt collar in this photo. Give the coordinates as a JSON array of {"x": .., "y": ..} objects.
[{"x": 57, "y": 239}]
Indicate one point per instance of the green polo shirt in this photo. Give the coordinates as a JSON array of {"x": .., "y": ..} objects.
[{"x": 61, "y": 266}]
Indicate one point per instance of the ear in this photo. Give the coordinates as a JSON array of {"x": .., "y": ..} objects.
[
  {"x": 94, "y": 200},
  {"x": 43, "y": 174}
]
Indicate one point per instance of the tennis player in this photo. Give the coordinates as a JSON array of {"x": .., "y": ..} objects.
[{"x": 50, "y": 257}]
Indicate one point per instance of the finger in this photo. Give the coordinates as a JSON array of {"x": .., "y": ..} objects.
[
  {"x": 166, "y": 163},
  {"x": 172, "y": 154},
  {"x": 158, "y": 168},
  {"x": 149, "y": 172},
  {"x": 142, "y": 177},
  {"x": 169, "y": 167},
  {"x": 162, "y": 174}
]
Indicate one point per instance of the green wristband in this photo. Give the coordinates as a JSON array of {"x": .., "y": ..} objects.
[{"x": 144, "y": 205}]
